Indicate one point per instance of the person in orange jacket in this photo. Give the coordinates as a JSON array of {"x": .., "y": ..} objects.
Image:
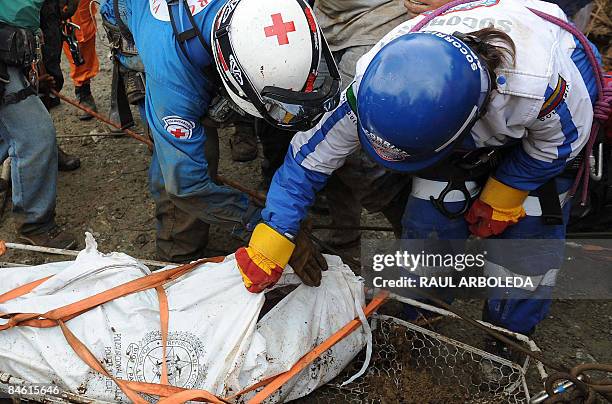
[{"x": 82, "y": 74}]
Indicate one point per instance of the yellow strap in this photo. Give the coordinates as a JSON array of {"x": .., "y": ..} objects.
[{"x": 271, "y": 244}]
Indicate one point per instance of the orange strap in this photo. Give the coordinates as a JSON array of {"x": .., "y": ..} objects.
[
  {"x": 317, "y": 351},
  {"x": 60, "y": 315},
  {"x": 22, "y": 290},
  {"x": 86, "y": 356},
  {"x": 170, "y": 394},
  {"x": 72, "y": 310},
  {"x": 164, "y": 318}
]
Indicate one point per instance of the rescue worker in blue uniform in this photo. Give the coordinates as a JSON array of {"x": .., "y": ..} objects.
[
  {"x": 424, "y": 103},
  {"x": 265, "y": 54}
]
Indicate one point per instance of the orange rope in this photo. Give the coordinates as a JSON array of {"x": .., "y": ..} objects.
[
  {"x": 168, "y": 394},
  {"x": 104, "y": 119}
]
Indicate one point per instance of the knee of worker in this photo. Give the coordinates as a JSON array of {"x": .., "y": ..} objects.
[
  {"x": 181, "y": 187},
  {"x": 181, "y": 176},
  {"x": 421, "y": 220},
  {"x": 36, "y": 137},
  {"x": 540, "y": 259}
]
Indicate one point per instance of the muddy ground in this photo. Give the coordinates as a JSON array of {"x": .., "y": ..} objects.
[{"x": 108, "y": 196}]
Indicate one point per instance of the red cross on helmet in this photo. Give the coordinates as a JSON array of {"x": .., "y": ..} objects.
[{"x": 268, "y": 54}]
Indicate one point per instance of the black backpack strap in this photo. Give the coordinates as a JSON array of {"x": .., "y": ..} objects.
[
  {"x": 125, "y": 31},
  {"x": 210, "y": 71}
]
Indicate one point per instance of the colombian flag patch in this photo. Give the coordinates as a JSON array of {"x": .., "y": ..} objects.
[{"x": 555, "y": 99}]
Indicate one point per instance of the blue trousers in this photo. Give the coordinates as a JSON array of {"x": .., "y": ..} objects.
[
  {"x": 27, "y": 135},
  {"x": 422, "y": 220}
]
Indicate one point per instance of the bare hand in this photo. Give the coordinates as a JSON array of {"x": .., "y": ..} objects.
[{"x": 420, "y": 6}]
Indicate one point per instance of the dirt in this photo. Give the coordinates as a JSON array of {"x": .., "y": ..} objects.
[
  {"x": 108, "y": 196},
  {"x": 600, "y": 30}
]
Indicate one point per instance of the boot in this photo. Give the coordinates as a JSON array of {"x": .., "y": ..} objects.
[
  {"x": 49, "y": 102},
  {"x": 243, "y": 143},
  {"x": 53, "y": 238},
  {"x": 83, "y": 94},
  {"x": 67, "y": 162}
]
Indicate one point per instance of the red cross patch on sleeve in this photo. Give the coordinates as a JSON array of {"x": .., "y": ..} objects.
[{"x": 178, "y": 127}]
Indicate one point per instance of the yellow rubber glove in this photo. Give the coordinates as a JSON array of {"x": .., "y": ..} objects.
[
  {"x": 262, "y": 262},
  {"x": 498, "y": 207}
]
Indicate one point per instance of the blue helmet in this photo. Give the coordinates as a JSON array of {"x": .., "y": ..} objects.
[{"x": 421, "y": 93}]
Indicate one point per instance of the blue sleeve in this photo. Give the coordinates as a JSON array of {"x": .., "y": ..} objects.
[
  {"x": 292, "y": 192},
  {"x": 312, "y": 158},
  {"x": 179, "y": 163}
]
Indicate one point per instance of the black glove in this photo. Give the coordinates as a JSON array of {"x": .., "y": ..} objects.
[
  {"x": 68, "y": 8},
  {"x": 306, "y": 260}
]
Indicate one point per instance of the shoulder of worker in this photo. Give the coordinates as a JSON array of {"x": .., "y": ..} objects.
[
  {"x": 21, "y": 13},
  {"x": 324, "y": 148},
  {"x": 203, "y": 11},
  {"x": 164, "y": 60},
  {"x": 539, "y": 44}
]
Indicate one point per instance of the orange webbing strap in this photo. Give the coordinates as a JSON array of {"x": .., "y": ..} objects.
[
  {"x": 164, "y": 318},
  {"x": 307, "y": 359},
  {"x": 59, "y": 316},
  {"x": 72, "y": 310},
  {"x": 171, "y": 393},
  {"x": 86, "y": 356},
  {"x": 22, "y": 290},
  {"x": 130, "y": 389}
]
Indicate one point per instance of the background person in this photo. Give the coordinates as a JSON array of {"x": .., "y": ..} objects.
[
  {"x": 50, "y": 25},
  {"x": 274, "y": 45},
  {"x": 82, "y": 74},
  {"x": 351, "y": 28},
  {"x": 29, "y": 142}
]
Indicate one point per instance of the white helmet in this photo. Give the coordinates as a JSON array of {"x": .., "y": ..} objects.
[{"x": 267, "y": 53}]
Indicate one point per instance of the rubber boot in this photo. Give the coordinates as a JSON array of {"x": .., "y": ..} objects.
[{"x": 85, "y": 98}]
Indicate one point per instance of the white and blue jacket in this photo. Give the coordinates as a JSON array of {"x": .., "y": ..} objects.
[{"x": 544, "y": 104}]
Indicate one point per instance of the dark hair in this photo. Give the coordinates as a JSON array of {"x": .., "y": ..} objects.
[{"x": 494, "y": 47}]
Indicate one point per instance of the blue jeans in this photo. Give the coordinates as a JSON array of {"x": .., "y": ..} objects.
[{"x": 27, "y": 135}]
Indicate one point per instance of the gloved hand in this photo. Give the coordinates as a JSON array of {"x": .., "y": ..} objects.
[
  {"x": 498, "y": 207},
  {"x": 262, "y": 262},
  {"x": 46, "y": 83},
  {"x": 307, "y": 261},
  {"x": 68, "y": 8}
]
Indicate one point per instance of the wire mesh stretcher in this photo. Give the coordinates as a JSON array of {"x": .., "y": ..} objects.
[{"x": 405, "y": 355}]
